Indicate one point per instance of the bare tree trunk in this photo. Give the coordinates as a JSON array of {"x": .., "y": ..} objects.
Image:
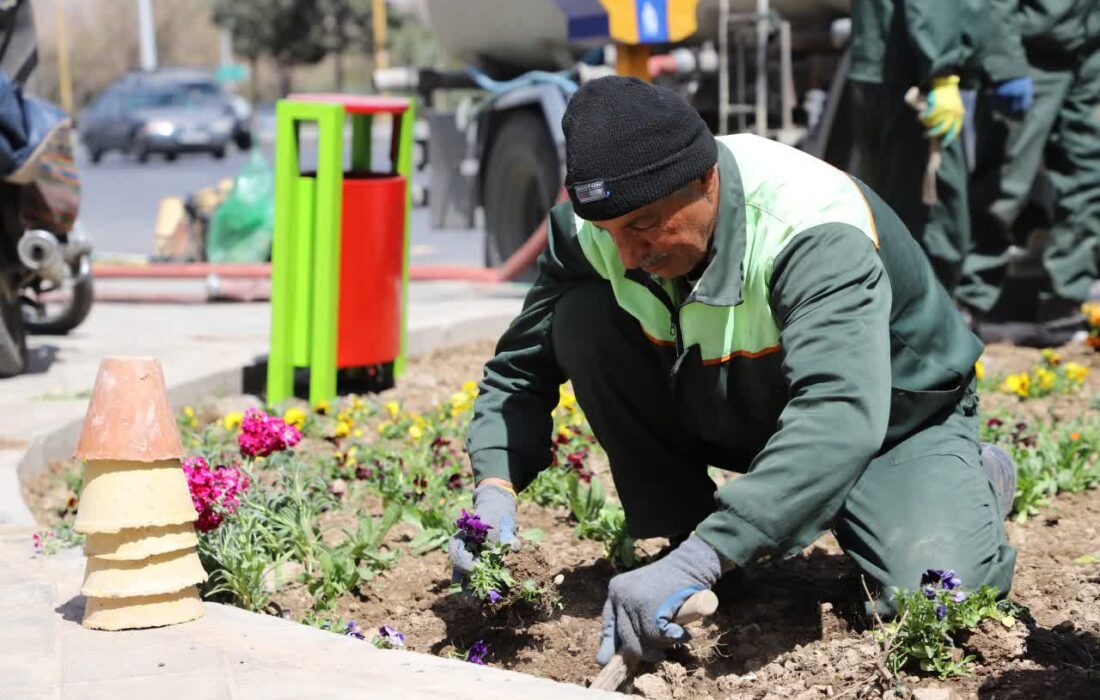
[
  {"x": 286, "y": 78},
  {"x": 338, "y": 69},
  {"x": 253, "y": 78}
]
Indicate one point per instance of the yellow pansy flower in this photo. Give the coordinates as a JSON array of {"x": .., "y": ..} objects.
[
  {"x": 342, "y": 429},
  {"x": 1075, "y": 372},
  {"x": 393, "y": 407},
  {"x": 1050, "y": 357},
  {"x": 565, "y": 432},
  {"x": 1045, "y": 378},
  {"x": 1019, "y": 384},
  {"x": 566, "y": 399},
  {"x": 233, "y": 420},
  {"x": 321, "y": 407},
  {"x": 295, "y": 417},
  {"x": 415, "y": 433},
  {"x": 357, "y": 403},
  {"x": 460, "y": 403},
  {"x": 470, "y": 389},
  {"x": 979, "y": 370}
]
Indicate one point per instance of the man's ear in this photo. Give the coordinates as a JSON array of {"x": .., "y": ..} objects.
[{"x": 709, "y": 182}]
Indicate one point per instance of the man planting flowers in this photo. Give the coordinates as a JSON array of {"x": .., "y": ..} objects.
[{"x": 736, "y": 303}]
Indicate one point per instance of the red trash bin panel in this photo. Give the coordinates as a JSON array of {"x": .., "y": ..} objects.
[{"x": 372, "y": 244}]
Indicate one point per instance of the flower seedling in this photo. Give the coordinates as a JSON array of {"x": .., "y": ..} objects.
[
  {"x": 389, "y": 638},
  {"x": 931, "y": 618},
  {"x": 50, "y": 542},
  {"x": 262, "y": 435},
  {"x": 601, "y": 521},
  {"x": 1050, "y": 376},
  {"x": 491, "y": 580},
  {"x": 215, "y": 491},
  {"x": 477, "y": 652}
]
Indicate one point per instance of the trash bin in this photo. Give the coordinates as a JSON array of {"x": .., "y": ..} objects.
[
  {"x": 340, "y": 250},
  {"x": 371, "y": 255}
]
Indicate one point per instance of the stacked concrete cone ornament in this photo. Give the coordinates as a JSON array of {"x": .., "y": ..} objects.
[{"x": 136, "y": 507}]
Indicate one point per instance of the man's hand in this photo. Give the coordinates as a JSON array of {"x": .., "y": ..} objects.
[
  {"x": 637, "y": 617},
  {"x": 495, "y": 504},
  {"x": 945, "y": 111},
  {"x": 1014, "y": 96}
]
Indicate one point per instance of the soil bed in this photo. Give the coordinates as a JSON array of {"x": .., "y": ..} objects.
[{"x": 788, "y": 629}]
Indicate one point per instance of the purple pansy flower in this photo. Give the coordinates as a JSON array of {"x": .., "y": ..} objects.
[
  {"x": 352, "y": 629},
  {"x": 395, "y": 637},
  {"x": 958, "y": 596},
  {"x": 941, "y": 611},
  {"x": 494, "y": 596},
  {"x": 471, "y": 529},
  {"x": 949, "y": 580},
  {"x": 477, "y": 652}
]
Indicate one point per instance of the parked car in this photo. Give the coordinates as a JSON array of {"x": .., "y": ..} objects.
[{"x": 167, "y": 112}]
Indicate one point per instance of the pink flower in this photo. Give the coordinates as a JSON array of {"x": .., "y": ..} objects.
[
  {"x": 215, "y": 491},
  {"x": 261, "y": 434}
]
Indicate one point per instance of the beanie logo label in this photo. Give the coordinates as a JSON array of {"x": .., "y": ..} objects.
[{"x": 592, "y": 191}]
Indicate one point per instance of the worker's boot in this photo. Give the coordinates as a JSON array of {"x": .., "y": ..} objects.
[{"x": 1001, "y": 472}]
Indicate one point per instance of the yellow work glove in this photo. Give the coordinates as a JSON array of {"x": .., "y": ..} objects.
[{"x": 944, "y": 114}]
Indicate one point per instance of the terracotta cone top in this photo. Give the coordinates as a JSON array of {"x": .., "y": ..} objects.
[{"x": 129, "y": 417}]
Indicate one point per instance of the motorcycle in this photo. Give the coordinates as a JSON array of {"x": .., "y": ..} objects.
[{"x": 45, "y": 258}]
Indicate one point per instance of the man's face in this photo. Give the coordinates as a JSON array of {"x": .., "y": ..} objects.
[{"x": 670, "y": 236}]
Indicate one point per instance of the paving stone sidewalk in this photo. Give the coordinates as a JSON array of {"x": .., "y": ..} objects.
[{"x": 229, "y": 654}]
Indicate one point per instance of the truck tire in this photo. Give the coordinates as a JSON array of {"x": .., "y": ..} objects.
[
  {"x": 13, "y": 337},
  {"x": 520, "y": 186}
]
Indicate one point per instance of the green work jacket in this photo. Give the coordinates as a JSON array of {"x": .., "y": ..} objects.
[
  {"x": 816, "y": 337},
  {"x": 1045, "y": 29},
  {"x": 1059, "y": 27},
  {"x": 908, "y": 42}
]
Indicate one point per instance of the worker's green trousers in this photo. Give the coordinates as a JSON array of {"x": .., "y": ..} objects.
[
  {"x": 1062, "y": 130},
  {"x": 893, "y": 152},
  {"x": 923, "y": 503}
]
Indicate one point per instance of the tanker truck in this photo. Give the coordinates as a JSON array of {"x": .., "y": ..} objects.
[{"x": 777, "y": 68}]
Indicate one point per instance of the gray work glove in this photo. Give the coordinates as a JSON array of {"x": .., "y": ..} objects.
[
  {"x": 637, "y": 617},
  {"x": 496, "y": 507}
]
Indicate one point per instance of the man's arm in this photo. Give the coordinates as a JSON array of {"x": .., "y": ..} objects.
[
  {"x": 831, "y": 298},
  {"x": 509, "y": 436},
  {"x": 940, "y": 33},
  {"x": 1002, "y": 55}
]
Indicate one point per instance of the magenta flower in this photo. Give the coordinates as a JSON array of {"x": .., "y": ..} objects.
[
  {"x": 215, "y": 491},
  {"x": 471, "y": 529},
  {"x": 262, "y": 435},
  {"x": 477, "y": 652}
]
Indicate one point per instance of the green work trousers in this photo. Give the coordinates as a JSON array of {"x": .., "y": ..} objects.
[
  {"x": 1062, "y": 131},
  {"x": 922, "y": 503},
  {"x": 892, "y": 154}
]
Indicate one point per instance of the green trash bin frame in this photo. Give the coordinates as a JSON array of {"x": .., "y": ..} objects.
[{"x": 305, "y": 253}]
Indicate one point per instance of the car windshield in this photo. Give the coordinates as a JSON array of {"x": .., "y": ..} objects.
[{"x": 175, "y": 96}]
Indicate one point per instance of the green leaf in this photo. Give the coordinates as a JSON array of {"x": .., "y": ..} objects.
[{"x": 532, "y": 535}]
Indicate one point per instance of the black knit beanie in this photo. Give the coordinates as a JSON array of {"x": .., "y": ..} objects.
[{"x": 629, "y": 143}]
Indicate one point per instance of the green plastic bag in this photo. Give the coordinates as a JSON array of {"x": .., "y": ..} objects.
[{"x": 241, "y": 228}]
